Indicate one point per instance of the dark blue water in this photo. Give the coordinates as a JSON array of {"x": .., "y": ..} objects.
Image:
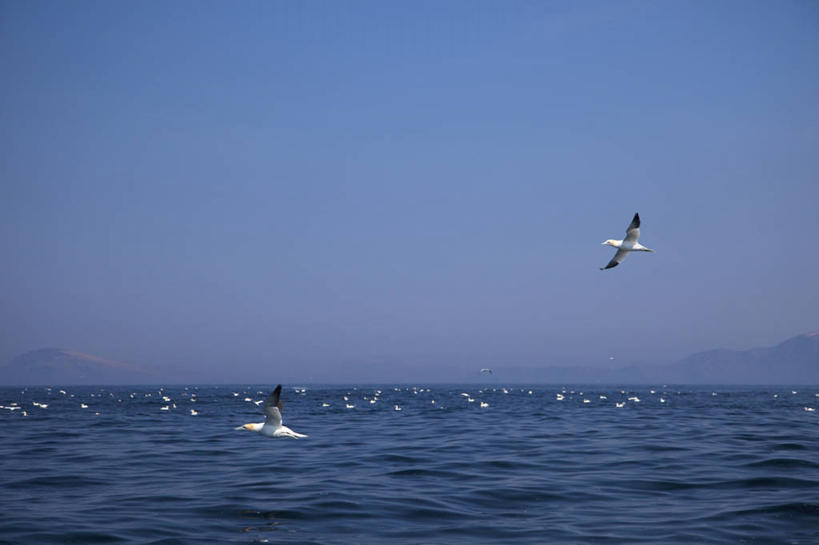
[{"x": 741, "y": 466}]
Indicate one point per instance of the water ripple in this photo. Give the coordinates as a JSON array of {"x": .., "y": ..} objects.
[{"x": 696, "y": 468}]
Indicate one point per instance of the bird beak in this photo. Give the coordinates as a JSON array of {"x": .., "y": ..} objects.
[{"x": 239, "y": 428}]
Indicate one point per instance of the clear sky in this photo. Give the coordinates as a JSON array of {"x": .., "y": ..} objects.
[{"x": 241, "y": 186}]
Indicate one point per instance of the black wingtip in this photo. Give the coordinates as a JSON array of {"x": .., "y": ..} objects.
[{"x": 273, "y": 398}]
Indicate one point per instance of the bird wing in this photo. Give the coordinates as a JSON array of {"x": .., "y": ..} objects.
[
  {"x": 273, "y": 408},
  {"x": 616, "y": 260},
  {"x": 633, "y": 231}
]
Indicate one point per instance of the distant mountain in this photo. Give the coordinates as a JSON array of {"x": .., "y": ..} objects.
[
  {"x": 794, "y": 361},
  {"x": 58, "y": 366}
]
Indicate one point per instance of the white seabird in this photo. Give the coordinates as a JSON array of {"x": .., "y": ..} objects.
[
  {"x": 629, "y": 244},
  {"x": 272, "y": 425}
]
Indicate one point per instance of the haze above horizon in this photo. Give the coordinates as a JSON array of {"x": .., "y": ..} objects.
[{"x": 234, "y": 185}]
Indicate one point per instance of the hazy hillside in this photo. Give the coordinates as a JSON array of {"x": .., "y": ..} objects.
[
  {"x": 65, "y": 367},
  {"x": 794, "y": 361}
]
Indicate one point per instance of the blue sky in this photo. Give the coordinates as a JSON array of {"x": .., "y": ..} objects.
[{"x": 241, "y": 186}]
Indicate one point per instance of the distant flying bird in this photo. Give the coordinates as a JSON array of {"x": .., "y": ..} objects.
[
  {"x": 272, "y": 425},
  {"x": 486, "y": 370},
  {"x": 630, "y": 244}
]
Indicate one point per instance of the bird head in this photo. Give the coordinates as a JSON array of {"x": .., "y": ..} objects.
[
  {"x": 608, "y": 242},
  {"x": 247, "y": 427}
]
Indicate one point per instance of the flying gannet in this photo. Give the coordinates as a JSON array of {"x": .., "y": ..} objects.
[
  {"x": 629, "y": 244},
  {"x": 272, "y": 425}
]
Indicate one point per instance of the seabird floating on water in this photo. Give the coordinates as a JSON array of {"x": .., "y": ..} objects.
[
  {"x": 629, "y": 244},
  {"x": 272, "y": 425}
]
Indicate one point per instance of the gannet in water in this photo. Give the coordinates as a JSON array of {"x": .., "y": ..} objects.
[
  {"x": 272, "y": 425},
  {"x": 629, "y": 244}
]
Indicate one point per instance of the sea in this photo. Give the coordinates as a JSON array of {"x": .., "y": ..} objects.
[{"x": 407, "y": 464}]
